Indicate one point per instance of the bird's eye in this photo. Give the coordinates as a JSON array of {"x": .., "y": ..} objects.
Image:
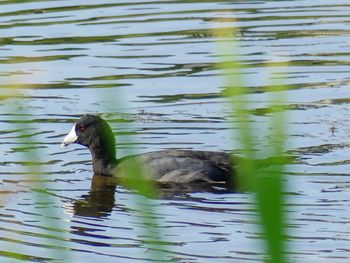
[{"x": 82, "y": 128}]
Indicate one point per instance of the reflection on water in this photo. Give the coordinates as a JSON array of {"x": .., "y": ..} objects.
[
  {"x": 100, "y": 200},
  {"x": 158, "y": 59}
]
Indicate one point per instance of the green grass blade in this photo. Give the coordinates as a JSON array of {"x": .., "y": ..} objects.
[{"x": 266, "y": 181}]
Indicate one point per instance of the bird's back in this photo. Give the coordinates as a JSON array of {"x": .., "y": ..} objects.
[{"x": 181, "y": 166}]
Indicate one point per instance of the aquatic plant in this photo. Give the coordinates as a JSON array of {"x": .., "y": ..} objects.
[
  {"x": 266, "y": 180},
  {"x": 54, "y": 235}
]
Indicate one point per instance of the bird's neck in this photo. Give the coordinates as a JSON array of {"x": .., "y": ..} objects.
[{"x": 103, "y": 157}]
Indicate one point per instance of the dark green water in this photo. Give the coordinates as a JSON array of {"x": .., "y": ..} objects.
[{"x": 150, "y": 68}]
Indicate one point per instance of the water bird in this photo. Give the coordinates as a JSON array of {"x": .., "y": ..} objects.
[{"x": 164, "y": 166}]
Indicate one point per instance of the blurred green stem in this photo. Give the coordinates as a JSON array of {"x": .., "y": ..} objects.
[{"x": 267, "y": 182}]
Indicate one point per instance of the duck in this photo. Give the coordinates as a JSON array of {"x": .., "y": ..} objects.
[{"x": 169, "y": 166}]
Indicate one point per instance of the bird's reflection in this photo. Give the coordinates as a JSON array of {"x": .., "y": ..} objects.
[{"x": 101, "y": 199}]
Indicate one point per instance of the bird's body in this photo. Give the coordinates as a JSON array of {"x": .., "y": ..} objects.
[
  {"x": 167, "y": 166},
  {"x": 182, "y": 166}
]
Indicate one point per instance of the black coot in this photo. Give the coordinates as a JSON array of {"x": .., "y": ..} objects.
[{"x": 167, "y": 166}]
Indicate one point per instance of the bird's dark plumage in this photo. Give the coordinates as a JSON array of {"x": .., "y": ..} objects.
[{"x": 167, "y": 166}]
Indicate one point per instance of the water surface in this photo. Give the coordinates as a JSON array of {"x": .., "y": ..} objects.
[{"x": 150, "y": 69}]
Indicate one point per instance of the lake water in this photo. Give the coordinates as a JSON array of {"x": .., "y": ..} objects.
[{"x": 149, "y": 68}]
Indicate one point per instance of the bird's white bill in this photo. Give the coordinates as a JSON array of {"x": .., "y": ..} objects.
[{"x": 70, "y": 138}]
